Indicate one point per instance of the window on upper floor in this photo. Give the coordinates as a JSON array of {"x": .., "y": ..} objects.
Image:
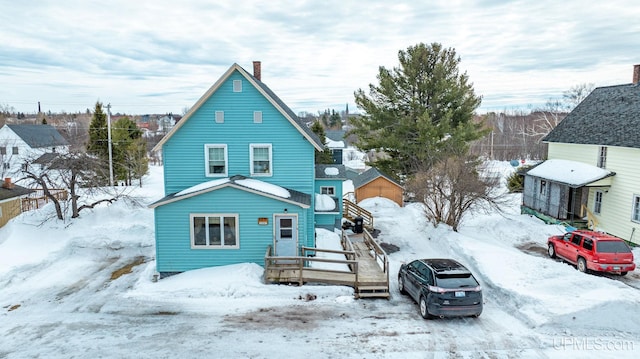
[
  {"x": 635, "y": 215},
  {"x": 237, "y": 85},
  {"x": 328, "y": 190},
  {"x": 214, "y": 231},
  {"x": 15, "y": 150},
  {"x": 261, "y": 160},
  {"x": 3, "y": 150},
  {"x": 597, "y": 202},
  {"x": 602, "y": 157},
  {"x": 219, "y": 116},
  {"x": 215, "y": 160},
  {"x": 257, "y": 116}
]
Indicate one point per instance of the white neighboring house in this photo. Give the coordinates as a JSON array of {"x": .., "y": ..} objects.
[
  {"x": 599, "y": 145},
  {"x": 23, "y": 144}
]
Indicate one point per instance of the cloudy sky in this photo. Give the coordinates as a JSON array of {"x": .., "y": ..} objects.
[{"x": 161, "y": 56}]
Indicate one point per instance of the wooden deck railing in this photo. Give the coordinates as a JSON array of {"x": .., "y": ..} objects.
[
  {"x": 380, "y": 255},
  {"x": 299, "y": 269},
  {"x": 37, "y": 199},
  {"x": 351, "y": 211}
]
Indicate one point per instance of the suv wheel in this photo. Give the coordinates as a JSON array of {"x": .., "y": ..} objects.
[
  {"x": 401, "y": 285},
  {"x": 623, "y": 273},
  {"x": 551, "y": 250},
  {"x": 582, "y": 265},
  {"x": 424, "y": 312}
]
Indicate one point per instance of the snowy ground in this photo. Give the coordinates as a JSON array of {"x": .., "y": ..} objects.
[{"x": 65, "y": 292}]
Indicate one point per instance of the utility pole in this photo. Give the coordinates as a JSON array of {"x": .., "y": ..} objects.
[{"x": 109, "y": 142}]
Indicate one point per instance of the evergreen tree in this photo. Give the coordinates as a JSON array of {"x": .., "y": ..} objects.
[
  {"x": 419, "y": 112},
  {"x": 98, "y": 144},
  {"x": 322, "y": 157},
  {"x": 127, "y": 141}
]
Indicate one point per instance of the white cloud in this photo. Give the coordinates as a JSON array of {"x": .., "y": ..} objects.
[{"x": 159, "y": 56}]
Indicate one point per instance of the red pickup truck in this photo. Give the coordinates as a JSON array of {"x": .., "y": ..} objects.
[{"x": 592, "y": 251}]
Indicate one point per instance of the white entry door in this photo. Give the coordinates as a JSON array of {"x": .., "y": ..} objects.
[{"x": 286, "y": 235}]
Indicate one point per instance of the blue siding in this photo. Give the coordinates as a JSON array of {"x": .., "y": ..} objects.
[
  {"x": 183, "y": 153},
  {"x": 184, "y": 166},
  {"x": 173, "y": 241},
  {"x": 326, "y": 219}
]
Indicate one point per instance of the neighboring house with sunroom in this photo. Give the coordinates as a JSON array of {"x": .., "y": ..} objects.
[
  {"x": 22, "y": 144},
  {"x": 601, "y": 134},
  {"x": 239, "y": 178}
]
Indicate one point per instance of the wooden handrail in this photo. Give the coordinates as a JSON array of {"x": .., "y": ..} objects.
[{"x": 352, "y": 210}]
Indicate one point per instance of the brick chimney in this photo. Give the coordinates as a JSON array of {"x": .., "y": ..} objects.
[
  {"x": 7, "y": 183},
  {"x": 636, "y": 74},
  {"x": 257, "y": 70}
]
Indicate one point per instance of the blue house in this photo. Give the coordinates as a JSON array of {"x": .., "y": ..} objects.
[
  {"x": 238, "y": 177},
  {"x": 328, "y": 192}
]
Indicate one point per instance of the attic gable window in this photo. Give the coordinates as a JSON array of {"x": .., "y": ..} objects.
[
  {"x": 261, "y": 160},
  {"x": 15, "y": 150},
  {"x": 602, "y": 157},
  {"x": 237, "y": 85},
  {"x": 257, "y": 116},
  {"x": 215, "y": 160},
  {"x": 219, "y": 116}
]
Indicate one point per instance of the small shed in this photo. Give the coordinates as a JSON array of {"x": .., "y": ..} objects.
[
  {"x": 11, "y": 200},
  {"x": 373, "y": 183}
]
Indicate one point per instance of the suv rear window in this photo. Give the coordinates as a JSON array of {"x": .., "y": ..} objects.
[
  {"x": 456, "y": 280},
  {"x": 612, "y": 247}
]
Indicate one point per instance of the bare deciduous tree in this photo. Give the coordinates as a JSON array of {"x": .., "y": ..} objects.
[
  {"x": 71, "y": 171},
  {"x": 453, "y": 187}
]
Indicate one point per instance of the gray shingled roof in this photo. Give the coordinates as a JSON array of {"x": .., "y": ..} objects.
[
  {"x": 321, "y": 174},
  {"x": 16, "y": 191},
  {"x": 609, "y": 116},
  {"x": 369, "y": 175},
  {"x": 38, "y": 136}
]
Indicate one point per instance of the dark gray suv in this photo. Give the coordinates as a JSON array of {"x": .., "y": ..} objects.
[{"x": 441, "y": 287}]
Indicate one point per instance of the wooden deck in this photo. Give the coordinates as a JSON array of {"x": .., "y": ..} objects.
[{"x": 365, "y": 267}]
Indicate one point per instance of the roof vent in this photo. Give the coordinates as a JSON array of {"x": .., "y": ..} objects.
[{"x": 636, "y": 74}]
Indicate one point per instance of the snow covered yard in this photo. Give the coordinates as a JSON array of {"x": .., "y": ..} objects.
[{"x": 65, "y": 293}]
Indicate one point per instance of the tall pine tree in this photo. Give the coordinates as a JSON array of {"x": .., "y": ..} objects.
[
  {"x": 419, "y": 112},
  {"x": 98, "y": 144}
]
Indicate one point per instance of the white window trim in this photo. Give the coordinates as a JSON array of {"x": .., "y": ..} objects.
[
  {"x": 257, "y": 116},
  {"x": 206, "y": 160},
  {"x": 219, "y": 117},
  {"x": 597, "y": 206},
  {"x": 260, "y": 145},
  {"x": 237, "y": 85},
  {"x": 221, "y": 216},
  {"x": 602, "y": 157},
  {"x": 333, "y": 190},
  {"x": 636, "y": 199}
]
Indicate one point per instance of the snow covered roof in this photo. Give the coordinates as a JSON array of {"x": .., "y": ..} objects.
[
  {"x": 331, "y": 172},
  {"x": 572, "y": 173},
  {"x": 240, "y": 182}
]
